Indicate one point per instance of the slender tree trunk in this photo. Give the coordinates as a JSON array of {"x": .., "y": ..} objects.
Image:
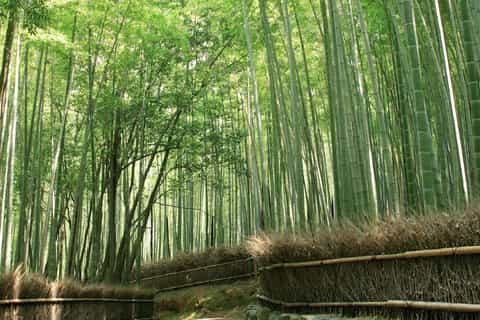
[
  {"x": 7, "y": 57},
  {"x": 473, "y": 83},
  {"x": 51, "y": 267}
]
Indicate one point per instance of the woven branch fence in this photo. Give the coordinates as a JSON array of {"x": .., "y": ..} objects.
[
  {"x": 76, "y": 308},
  {"x": 428, "y": 284},
  {"x": 223, "y": 272}
]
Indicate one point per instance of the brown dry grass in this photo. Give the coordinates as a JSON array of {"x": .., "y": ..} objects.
[
  {"x": 7, "y": 282},
  {"x": 18, "y": 285},
  {"x": 391, "y": 235},
  {"x": 32, "y": 286},
  {"x": 194, "y": 260},
  {"x": 29, "y": 286},
  {"x": 454, "y": 279},
  {"x": 92, "y": 291},
  {"x": 66, "y": 289}
]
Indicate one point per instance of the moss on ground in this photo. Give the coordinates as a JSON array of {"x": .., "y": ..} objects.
[{"x": 227, "y": 300}]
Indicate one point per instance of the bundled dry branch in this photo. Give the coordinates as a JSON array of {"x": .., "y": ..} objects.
[
  {"x": 199, "y": 283},
  {"x": 390, "y": 236},
  {"x": 212, "y": 256},
  {"x": 7, "y": 283},
  {"x": 453, "y": 279},
  {"x": 33, "y": 297},
  {"x": 226, "y": 271},
  {"x": 203, "y": 268},
  {"x": 444, "y": 279},
  {"x": 396, "y": 256},
  {"x": 419, "y": 278},
  {"x": 210, "y": 266}
]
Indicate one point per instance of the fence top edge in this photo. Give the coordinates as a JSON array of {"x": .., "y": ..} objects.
[
  {"x": 198, "y": 283},
  {"x": 404, "y": 255},
  {"x": 194, "y": 269}
]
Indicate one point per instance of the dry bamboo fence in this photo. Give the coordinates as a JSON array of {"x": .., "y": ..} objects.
[
  {"x": 404, "y": 255},
  {"x": 222, "y": 272},
  {"x": 76, "y": 308},
  {"x": 425, "y": 284},
  {"x": 422, "y": 305}
]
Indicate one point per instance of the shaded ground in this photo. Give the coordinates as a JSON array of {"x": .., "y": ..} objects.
[
  {"x": 228, "y": 301},
  {"x": 225, "y": 301}
]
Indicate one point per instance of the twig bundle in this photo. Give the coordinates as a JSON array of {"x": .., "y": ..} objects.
[
  {"x": 396, "y": 268},
  {"x": 182, "y": 262},
  {"x": 33, "y": 297},
  {"x": 226, "y": 271},
  {"x": 187, "y": 270}
]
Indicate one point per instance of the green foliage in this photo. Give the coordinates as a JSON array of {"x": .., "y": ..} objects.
[
  {"x": 180, "y": 125},
  {"x": 35, "y": 12}
]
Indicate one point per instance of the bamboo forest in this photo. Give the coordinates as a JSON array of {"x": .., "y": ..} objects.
[{"x": 135, "y": 131}]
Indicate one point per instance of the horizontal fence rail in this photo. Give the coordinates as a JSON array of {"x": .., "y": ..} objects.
[
  {"x": 424, "y": 284},
  {"x": 421, "y": 305},
  {"x": 199, "y": 283},
  {"x": 222, "y": 272},
  {"x": 212, "y": 266},
  {"x": 404, "y": 255}
]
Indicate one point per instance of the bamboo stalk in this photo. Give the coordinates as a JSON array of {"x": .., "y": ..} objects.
[
  {"x": 402, "y": 304},
  {"x": 437, "y": 306},
  {"x": 405, "y": 255}
]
